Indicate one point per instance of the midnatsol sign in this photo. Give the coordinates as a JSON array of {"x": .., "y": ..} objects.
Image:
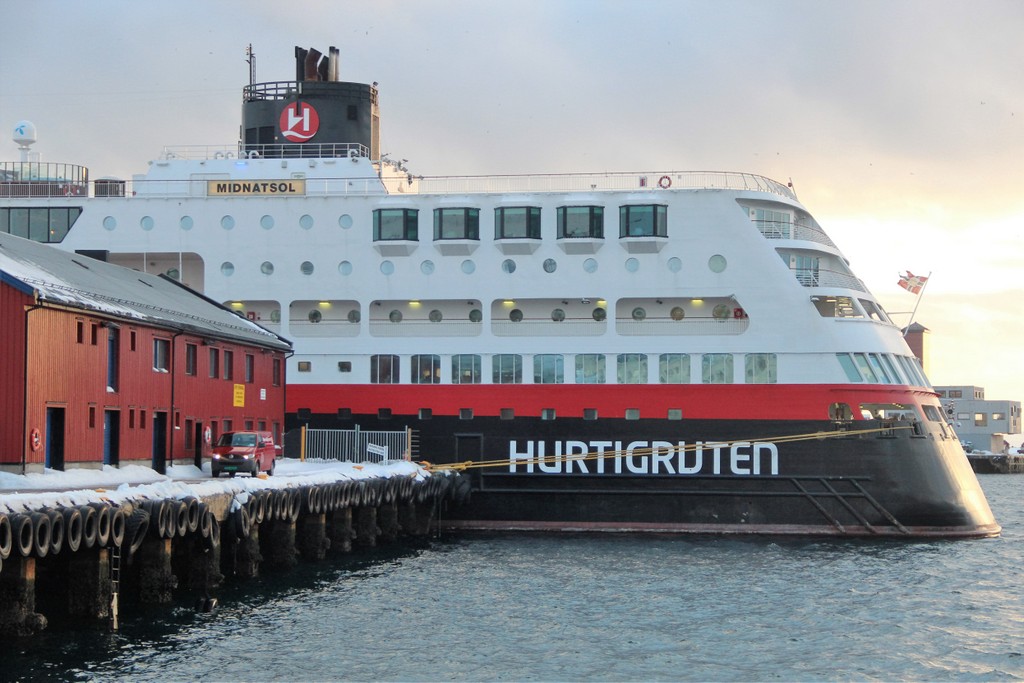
[{"x": 255, "y": 188}]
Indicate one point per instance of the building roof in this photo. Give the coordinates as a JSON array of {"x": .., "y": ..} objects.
[{"x": 61, "y": 278}]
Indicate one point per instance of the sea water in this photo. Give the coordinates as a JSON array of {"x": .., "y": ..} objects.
[{"x": 588, "y": 607}]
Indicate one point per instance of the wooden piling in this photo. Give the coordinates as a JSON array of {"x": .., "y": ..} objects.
[
  {"x": 18, "y": 616},
  {"x": 312, "y": 536}
]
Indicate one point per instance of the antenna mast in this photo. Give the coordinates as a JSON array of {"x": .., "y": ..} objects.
[{"x": 250, "y": 57}]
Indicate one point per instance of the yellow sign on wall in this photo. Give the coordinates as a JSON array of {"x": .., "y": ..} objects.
[
  {"x": 239, "y": 396},
  {"x": 258, "y": 188}
]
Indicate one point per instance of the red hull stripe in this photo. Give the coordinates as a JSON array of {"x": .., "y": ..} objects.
[{"x": 696, "y": 401}]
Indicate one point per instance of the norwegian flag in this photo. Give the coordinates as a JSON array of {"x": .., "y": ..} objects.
[{"x": 912, "y": 283}]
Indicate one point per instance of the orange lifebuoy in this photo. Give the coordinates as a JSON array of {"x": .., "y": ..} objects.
[
  {"x": 207, "y": 436},
  {"x": 664, "y": 182},
  {"x": 35, "y": 440}
]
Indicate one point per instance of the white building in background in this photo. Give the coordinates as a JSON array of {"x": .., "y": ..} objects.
[{"x": 983, "y": 423}]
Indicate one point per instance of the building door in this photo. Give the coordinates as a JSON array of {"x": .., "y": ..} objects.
[
  {"x": 111, "y": 437},
  {"x": 198, "y": 441},
  {"x": 160, "y": 442},
  {"x": 55, "y": 438}
]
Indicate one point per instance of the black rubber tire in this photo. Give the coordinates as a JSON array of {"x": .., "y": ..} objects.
[
  {"x": 273, "y": 467},
  {"x": 243, "y": 523},
  {"x": 102, "y": 524},
  {"x": 40, "y": 533},
  {"x": 117, "y": 527},
  {"x": 6, "y": 536},
  {"x": 56, "y": 531},
  {"x": 22, "y": 534},
  {"x": 135, "y": 529},
  {"x": 206, "y": 524},
  {"x": 89, "y": 529},
  {"x": 192, "y": 505},
  {"x": 179, "y": 511},
  {"x": 72, "y": 528},
  {"x": 294, "y": 505}
]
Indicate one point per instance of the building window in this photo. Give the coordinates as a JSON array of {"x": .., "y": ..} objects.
[
  {"x": 92, "y": 417},
  {"x": 631, "y": 368},
  {"x": 131, "y": 340},
  {"x": 580, "y": 221},
  {"x": 674, "y": 368},
  {"x": 649, "y": 220},
  {"x": 716, "y": 368},
  {"x": 517, "y": 221},
  {"x": 250, "y": 368},
  {"x": 131, "y": 418},
  {"x": 426, "y": 369},
  {"x": 396, "y": 224},
  {"x": 980, "y": 420},
  {"x": 507, "y": 368},
  {"x": 228, "y": 426},
  {"x": 190, "y": 359},
  {"x": 760, "y": 368},
  {"x": 80, "y": 332},
  {"x": 998, "y": 416},
  {"x": 276, "y": 372},
  {"x": 590, "y": 368},
  {"x": 384, "y": 369},
  {"x": 113, "y": 358},
  {"x": 956, "y": 393},
  {"x": 466, "y": 369},
  {"x": 548, "y": 368},
  {"x": 94, "y": 334},
  {"x": 142, "y": 419},
  {"x": 457, "y": 224},
  {"x": 214, "y": 363},
  {"x": 229, "y": 365},
  {"x": 162, "y": 355}
]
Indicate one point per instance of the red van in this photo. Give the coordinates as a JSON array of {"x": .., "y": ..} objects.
[{"x": 251, "y": 452}]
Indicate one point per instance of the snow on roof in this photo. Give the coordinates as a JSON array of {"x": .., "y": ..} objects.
[
  {"x": 25, "y": 492},
  {"x": 63, "y": 278}
]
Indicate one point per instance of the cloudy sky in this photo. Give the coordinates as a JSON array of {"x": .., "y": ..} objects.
[{"x": 900, "y": 122}]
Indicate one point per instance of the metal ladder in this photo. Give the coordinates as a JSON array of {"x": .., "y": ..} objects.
[{"x": 115, "y": 585}]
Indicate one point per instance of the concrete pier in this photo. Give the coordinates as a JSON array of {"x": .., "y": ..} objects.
[{"x": 18, "y": 614}]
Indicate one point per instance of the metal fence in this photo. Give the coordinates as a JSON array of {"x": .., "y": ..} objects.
[{"x": 357, "y": 445}]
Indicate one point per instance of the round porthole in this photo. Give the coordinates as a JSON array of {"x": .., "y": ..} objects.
[
  {"x": 590, "y": 265},
  {"x": 427, "y": 267},
  {"x": 109, "y": 222},
  {"x": 632, "y": 265},
  {"x": 306, "y": 268},
  {"x": 639, "y": 313},
  {"x": 227, "y": 222},
  {"x": 186, "y": 222},
  {"x": 677, "y": 313},
  {"x": 387, "y": 267},
  {"x": 508, "y": 266},
  {"x": 515, "y": 315},
  {"x": 267, "y": 268},
  {"x": 173, "y": 273},
  {"x": 435, "y": 316},
  {"x": 345, "y": 268},
  {"x": 315, "y": 316},
  {"x": 227, "y": 269},
  {"x": 599, "y": 314},
  {"x": 345, "y": 221},
  {"x": 146, "y": 223},
  {"x": 720, "y": 312},
  {"x": 395, "y": 316},
  {"x": 353, "y": 316},
  {"x": 674, "y": 264},
  {"x": 475, "y": 315},
  {"x": 558, "y": 315},
  {"x": 468, "y": 267},
  {"x": 550, "y": 265},
  {"x": 267, "y": 222},
  {"x": 717, "y": 263},
  {"x": 306, "y": 222}
]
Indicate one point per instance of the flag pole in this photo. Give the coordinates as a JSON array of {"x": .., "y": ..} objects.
[{"x": 918, "y": 302}]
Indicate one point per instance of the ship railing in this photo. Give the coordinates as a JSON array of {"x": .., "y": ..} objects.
[
  {"x": 357, "y": 445},
  {"x": 780, "y": 230},
  {"x": 685, "y": 327},
  {"x": 645, "y": 181},
  {"x": 242, "y": 151},
  {"x": 810, "y": 277}
]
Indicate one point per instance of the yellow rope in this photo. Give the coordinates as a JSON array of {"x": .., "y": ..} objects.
[{"x": 594, "y": 455}]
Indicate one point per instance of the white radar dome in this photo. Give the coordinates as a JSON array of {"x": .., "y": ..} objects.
[{"x": 24, "y": 132}]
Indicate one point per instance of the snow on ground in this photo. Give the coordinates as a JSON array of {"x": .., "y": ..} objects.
[{"x": 51, "y": 488}]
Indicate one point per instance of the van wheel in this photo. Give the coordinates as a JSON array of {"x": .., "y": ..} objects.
[
  {"x": 273, "y": 466},
  {"x": 231, "y": 475}
]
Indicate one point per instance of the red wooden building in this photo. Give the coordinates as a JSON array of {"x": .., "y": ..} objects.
[{"x": 105, "y": 365}]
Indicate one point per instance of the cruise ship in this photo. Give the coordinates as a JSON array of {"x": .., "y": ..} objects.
[{"x": 659, "y": 351}]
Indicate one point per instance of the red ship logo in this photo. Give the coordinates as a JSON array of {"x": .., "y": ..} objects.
[{"x": 299, "y": 122}]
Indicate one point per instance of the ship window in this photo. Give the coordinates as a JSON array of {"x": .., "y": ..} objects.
[
  {"x": 425, "y": 413},
  {"x": 632, "y": 413},
  {"x": 550, "y": 265},
  {"x": 426, "y": 369},
  {"x": 344, "y": 366},
  {"x": 548, "y": 368},
  {"x": 507, "y": 414},
  {"x": 547, "y": 414},
  {"x": 39, "y": 224},
  {"x": 675, "y": 414},
  {"x": 517, "y": 221},
  {"x": 457, "y": 224},
  {"x": 599, "y": 314},
  {"x": 344, "y": 413},
  {"x": 384, "y": 369},
  {"x": 508, "y": 266},
  {"x": 806, "y": 270},
  {"x": 772, "y": 224},
  {"x": 507, "y": 368},
  {"x": 267, "y": 268},
  {"x": 558, "y": 315},
  {"x": 716, "y": 368},
  {"x": 873, "y": 310},
  {"x": 306, "y": 268},
  {"x": 476, "y": 315},
  {"x": 849, "y": 367},
  {"x": 465, "y": 413},
  {"x": 631, "y": 368},
  {"x": 649, "y": 220},
  {"x": 865, "y": 368},
  {"x": 590, "y": 368},
  {"x": 590, "y": 413},
  {"x": 227, "y": 269},
  {"x": 435, "y": 316},
  {"x": 395, "y": 224},
  {"x": 580, "y": 221},
  {"x": 674, "y": 368},
  {"x": 515, "y": 315},
  {"x": 267, "y": 222},
  {"x": 840, "y": 411},
  {"x": 466, "y": 369},
  {"x": 395, "y": 316},
  {"x": 383, "y": 413},
  {"x": 879, "y": 369},
  {"x": 760, "y": 368},
  {"x": 354, "y": 316}
]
